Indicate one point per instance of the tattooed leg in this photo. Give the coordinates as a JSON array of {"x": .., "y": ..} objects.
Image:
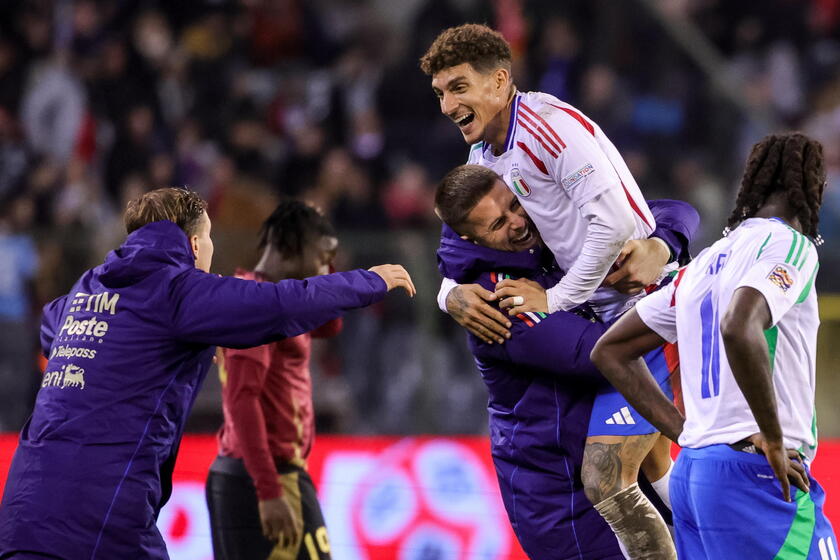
[{"x": 609, "y": 474}]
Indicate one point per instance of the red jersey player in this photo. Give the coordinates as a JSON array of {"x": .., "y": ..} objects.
[{"x": 262, "y": 501}]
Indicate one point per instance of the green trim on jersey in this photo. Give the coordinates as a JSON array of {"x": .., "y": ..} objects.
[
  {"x": 771, "y": 335},
  {"x": 799, "y": 252},
  {"x": 761, "y": 249},
  {"x": 794, "y": 242},
  {"x": 807, "y": 254},
  {"x": 807, "y": 289},
  {"x": 476, "y": 146},
  {"x": 798, "y": 540},
  {"x": 813, "y": 448}
]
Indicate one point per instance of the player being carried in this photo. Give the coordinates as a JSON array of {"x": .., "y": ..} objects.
[
  {"x": 581, "y": 197},
  {"x": 745, "y": 315}
]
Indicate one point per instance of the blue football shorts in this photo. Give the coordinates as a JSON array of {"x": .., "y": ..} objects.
[
  {"x": 728, "y": 505},
  {"x": 612, "y": 415}
]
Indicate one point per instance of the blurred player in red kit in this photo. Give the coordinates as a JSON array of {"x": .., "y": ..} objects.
[{"x": 262, "y": 501}]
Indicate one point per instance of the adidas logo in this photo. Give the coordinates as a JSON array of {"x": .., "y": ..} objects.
[
  {"x": 623, "y": 416},
  {"x": 827, "y": 549}
]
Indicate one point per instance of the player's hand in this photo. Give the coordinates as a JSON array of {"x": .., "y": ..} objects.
[
  {"x": 785, "y": 464},
  {"x": 467, "y": 304},
  {"x": 519, "y": 296},
  {"x": 638, "y": 265},
  {"x": 395, "y": 276},
  {"x": 279, "y": 522}
]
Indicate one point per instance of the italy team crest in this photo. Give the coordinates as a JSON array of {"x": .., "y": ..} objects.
[{"x": 519, "y": 185}]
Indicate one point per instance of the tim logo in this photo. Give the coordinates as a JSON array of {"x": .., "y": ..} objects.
[{"x": 781, "y": 277}]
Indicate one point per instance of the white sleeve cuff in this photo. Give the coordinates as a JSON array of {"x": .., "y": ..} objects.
[
  {"x": 554, "y": 299},
  {"x": 446, "y": 286}
]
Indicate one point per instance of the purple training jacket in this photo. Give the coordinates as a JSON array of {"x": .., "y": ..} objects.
[{"x": 128, "y": 348}]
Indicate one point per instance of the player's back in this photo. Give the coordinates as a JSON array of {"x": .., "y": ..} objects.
[
  {"x": 555, "y": 161},
  {"x": 771, "y": 257}
]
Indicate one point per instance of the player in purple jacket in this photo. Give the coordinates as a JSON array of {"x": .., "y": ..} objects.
[
  {"x": 541, "y": 387},
  {"x": 128, "y": 348}
]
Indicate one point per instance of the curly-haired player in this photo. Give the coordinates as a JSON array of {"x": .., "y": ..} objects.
[
  {"x": 583, "y": 200},
  {"x": 745, "y": 315}
]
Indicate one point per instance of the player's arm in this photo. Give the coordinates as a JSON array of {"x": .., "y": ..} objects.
[
  {"x": 470, "y": 303},
  {"x": 677, "y": 223},
  {"x": 245, "y": 372},
  {"x": 641, "y": 261},
  {"x": 557, "y": 345},
  {"x": 779, "y": 278},
  {"x": 619, "y": 356},
  {"x": 49, "y": 323},
  {"x": 238, "y": 313}
]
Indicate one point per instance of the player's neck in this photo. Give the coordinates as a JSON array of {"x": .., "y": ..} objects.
[
  {"x": 497, "y": 131},
  {"x": 779, "y": 209}
]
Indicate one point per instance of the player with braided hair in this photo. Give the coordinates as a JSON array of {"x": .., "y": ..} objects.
[
  {"x": 793, "y": 160},
  {"x": 261, "y": 499},
  {"x": 745, "y": 314}
]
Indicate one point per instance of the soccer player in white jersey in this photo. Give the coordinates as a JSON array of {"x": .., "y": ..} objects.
[
  {"x": 581, "y": 197},
  {"x": 745, "y": 314}
]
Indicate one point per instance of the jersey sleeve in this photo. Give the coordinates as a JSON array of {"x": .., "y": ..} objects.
[
  {"x": 238, "y": 313},
  {"x": 556, "y": 344},
  {"x": 566, "y": 143},
  {"x": 783, "y": 271},
  {"x": 659, "y": 311},
  {"x": 246, "y": 371}
]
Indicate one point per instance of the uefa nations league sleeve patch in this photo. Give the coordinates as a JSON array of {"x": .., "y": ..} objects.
[{"x": 781, "y": 277}]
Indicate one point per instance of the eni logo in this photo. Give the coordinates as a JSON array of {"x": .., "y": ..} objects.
[
  {"x": 519, "y": 185},
  {"x": 69, "y": 376}
]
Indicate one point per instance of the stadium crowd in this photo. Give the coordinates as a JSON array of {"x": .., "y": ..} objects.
[{"x": 247, "y": 101}]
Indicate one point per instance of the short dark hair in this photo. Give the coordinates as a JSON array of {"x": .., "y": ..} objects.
[
  {"x": 292, "y": 225},
  {"x": 460, "y": 190},
  {"x": 792, "y": 163},
  {"x": 182, "y": 206},
  {"x": 478, "y": 45}
]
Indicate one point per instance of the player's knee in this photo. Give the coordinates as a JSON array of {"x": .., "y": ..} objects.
[{"x": 600, "y": 473}]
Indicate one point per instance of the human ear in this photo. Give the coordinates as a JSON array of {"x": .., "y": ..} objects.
[{"x": 194, "y": 244}]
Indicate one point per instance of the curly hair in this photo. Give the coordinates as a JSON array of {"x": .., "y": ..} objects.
[
  {"x": 182, "y": 206},
  {"x": 791, "y": 163},
  {"x": 292, "y": 225},
  {"x": 473, "y": 43}
]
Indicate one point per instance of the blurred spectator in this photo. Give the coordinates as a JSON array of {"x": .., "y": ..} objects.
[
  {"x": 20, "y": 264},
  {"x": 245, "y": 101}
]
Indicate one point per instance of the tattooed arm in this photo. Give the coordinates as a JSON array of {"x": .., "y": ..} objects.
[{"x": 467, "y": 304}]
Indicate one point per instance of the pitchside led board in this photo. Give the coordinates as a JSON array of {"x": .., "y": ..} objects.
[{"x": 388, "y": 498}]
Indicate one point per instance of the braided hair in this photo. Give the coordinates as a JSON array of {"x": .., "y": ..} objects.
[
  {"x": 791, "y": 163},
  {"x": 292, "y": 225}
]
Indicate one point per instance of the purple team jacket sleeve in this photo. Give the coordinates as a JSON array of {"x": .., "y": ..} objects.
[
  {"x": 237, "y": 313},
  {"x": 676, "y": 224},
  {"x": 49, "y": 323},
  {"x": 557, "y": 344}
]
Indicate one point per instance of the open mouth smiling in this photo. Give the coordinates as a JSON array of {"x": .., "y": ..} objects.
[{"x": 464, "y": 119}]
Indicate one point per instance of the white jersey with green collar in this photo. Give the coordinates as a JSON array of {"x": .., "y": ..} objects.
[{"x": 779, "y": 262}]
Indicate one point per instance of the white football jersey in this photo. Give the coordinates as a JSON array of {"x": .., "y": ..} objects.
[
  {"x": 556, "y": 160},
  {"x": 781, "y": 263}
]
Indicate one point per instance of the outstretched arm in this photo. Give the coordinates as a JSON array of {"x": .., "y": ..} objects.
[
  {"x": 619, "y": 356},
  {"x": 742, "y": 330}
]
